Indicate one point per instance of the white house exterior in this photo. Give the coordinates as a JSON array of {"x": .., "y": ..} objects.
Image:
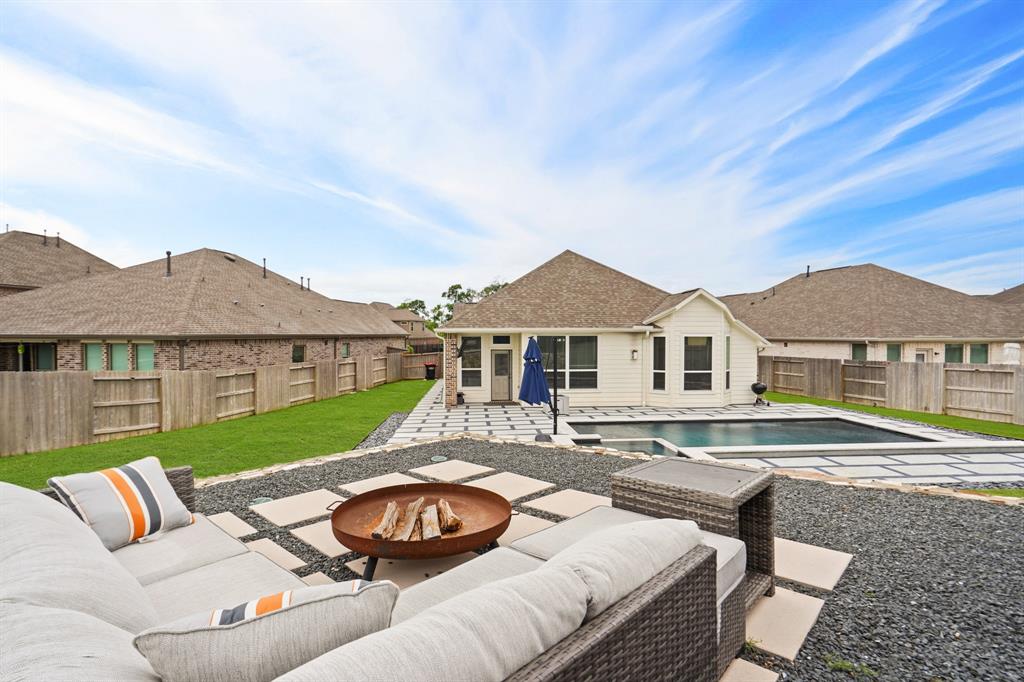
[{"x": 628, "y": 343}]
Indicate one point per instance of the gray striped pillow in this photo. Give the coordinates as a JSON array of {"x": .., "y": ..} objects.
[{"x": 124, "y": 503}]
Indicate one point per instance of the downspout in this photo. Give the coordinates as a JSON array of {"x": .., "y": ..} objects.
[{"x": 643, "y": 370}]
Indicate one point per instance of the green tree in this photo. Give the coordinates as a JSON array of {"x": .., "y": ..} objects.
[
  {"x": 415, "y": 305},
  {"x": 491, "y": 288},
  {"x": 457, "y": 293}
]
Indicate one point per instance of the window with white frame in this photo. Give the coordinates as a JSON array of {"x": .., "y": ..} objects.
[
  {"x": 728, "y": 360},
  {"x": 697, "y": 363},
  {"x": 577, "y": 359},
  {"x": 658, "y": 364},
  {"x": 472, "y": 373}
]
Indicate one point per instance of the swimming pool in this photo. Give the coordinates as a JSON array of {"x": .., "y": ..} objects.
[{"x": 724, "y": 433}]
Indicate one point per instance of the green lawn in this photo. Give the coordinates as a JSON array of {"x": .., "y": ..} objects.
[
  {"x": 961, "y": 423},
  {"x": 1003, "y": 492},
  {"x": 295, "y": 433}
]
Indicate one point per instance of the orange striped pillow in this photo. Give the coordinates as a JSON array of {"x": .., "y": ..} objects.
[{"x": 124, "y": 503}]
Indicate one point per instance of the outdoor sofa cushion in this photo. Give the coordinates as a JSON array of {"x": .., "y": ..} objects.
[
  {"x": 494, "y": 565},
  {"x": 483, "y": 635},
  {"x": 615, "y": 561},
  {"x": 731, "y": 560},
  {"x": 124, "y": 503},
  {"x": 58, "y": 645},
  {"x": 165, "y": 554},
  {"x": 266, "y": 637},
  {"x": 223, "y": 583},
  {"x": 50, "y": 558}
]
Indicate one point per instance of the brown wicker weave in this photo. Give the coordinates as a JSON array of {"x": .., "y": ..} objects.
[
  {"x": 732, "y": 632},
  {"x": 180, "y": 478},
  {"x": 746, "y": 512},
  {"x": 665, "y": 630}
]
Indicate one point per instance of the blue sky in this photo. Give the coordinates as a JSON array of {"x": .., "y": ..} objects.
[{"x": 388, "y": 150}]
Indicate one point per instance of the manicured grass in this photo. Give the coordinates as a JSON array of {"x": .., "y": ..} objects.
[
  {"x": 960, "y": 423},
  {"x": 1004, "y": 492},
  {"x": 295, "y": 433}
]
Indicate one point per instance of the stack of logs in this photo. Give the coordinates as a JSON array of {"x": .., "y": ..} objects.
[{"x": 418, "y": 522}]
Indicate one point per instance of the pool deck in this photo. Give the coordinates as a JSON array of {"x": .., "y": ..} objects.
[{"x": 946, "y": 457}]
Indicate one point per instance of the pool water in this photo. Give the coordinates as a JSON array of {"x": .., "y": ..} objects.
[
  {"x": 754, "y": 432},
  {"x": 650, "y": 446}
]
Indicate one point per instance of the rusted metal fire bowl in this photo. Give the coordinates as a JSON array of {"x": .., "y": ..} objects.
[{"x": 485, "y": 516}]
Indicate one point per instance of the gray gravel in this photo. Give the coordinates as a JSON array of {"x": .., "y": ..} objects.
[
  {"x": 933, "y": 592},
  {"x": 382, "y": 434}
]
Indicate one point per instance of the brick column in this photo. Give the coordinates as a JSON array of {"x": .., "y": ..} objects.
[{"x": 450, "y": 370}]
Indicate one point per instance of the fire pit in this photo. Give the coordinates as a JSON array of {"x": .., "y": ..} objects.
[{"x": 484, "y": 517}]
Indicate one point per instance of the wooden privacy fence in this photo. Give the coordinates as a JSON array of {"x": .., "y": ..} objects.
[
  {"x": 993, "y": 392},
  {"x": 413, "y": 365},
  {"x": 47, "y": 410}
]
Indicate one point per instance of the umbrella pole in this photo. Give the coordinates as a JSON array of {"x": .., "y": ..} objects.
[{"x": 554, "y": 404}]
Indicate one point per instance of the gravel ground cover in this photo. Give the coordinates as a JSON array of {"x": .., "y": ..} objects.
[
  {"x": 380, "y": 435},
  {"x": 933, "y": 592}
]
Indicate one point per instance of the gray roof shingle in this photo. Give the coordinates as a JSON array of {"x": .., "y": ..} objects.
[
  {"x": 209, "y": 294},
  {"x": 26, "y": 261},
  {"x": 872, "y": 302}
]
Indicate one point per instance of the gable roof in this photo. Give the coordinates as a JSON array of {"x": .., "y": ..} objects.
[
  {"x": 1012, "y": 295},
  {"x": 209, "y": 294},
  {"x": 569, "y": 291},
  {"x": 397, "y": 314},
  {"x": 872, "y": 302},
  {"x": 31, "y": 260}
]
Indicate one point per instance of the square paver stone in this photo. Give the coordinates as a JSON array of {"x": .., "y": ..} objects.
[
  {"x": 279, "y": 555},
  {"x": 568, "y": 502},
  {"x": 745, "y": 671},
  {"x": 993, "y": 468},
  {"x": 231, "y": 524},
  {"x": 521, "y": 525},
  {"x": 452, "y": 470},
  {"x": 406, "y": 573},
  {"x": 779, "y": 624},
  {"x": 862, "y": 460},
  {"x": 294, "y": 508},
  {"x": 860, "y": 472},
  {"x": 368, "y": 484},
  {"x": 809, "y": 565},
  {"x": 511, "y": 486},
  {"x": 317, "y": 578},
  {"x": 929, "y": 469},
  {"x": 320, "y": 536},
  {"x": 926, "y": 459}
]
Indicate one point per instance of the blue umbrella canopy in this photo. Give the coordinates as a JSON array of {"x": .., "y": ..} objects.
[{"x": 534, "y": 388}]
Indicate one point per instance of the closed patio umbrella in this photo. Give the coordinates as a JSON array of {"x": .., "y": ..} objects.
[{"x": 534, "y": 388}]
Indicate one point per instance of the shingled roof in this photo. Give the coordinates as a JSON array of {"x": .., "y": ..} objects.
[
  {"x": 1013, "y": 295},
  {"x": 31, "y": 260},
  {"x": 397, "y": 314},
  {"x": 210, "y": 294},
  {"x": 863, "y": 302},
  {"x": 569, "y": 291}
]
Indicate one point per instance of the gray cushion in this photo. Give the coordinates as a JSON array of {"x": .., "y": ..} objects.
[
  {"x": 267, "y": 637},
  {"x": 546, "y": 543},
  {"x": 224, "y": 583},
  {"x": 615, "y": 561},
  {"x": 483, "y": 635},
  {"x": 494, "y": 565},
  {"x": 730, "y": 562},
  {"x": 42, "y": 643},
  {"x": 48, "y": 557},
  {"x": 165, "y": 554}
]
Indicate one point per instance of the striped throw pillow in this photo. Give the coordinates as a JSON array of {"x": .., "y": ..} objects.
[
  {"x": 262, "y": 639},
  {"x": 125, "y": 503}
]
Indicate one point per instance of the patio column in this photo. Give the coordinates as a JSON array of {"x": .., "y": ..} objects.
[{"x": 450, "y": 369}]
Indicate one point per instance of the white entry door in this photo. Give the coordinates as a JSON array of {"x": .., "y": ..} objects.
[{"x": 501, "y": 375}]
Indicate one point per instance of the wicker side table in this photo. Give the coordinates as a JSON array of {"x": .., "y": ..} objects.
[{"x": 722, "y": 498}]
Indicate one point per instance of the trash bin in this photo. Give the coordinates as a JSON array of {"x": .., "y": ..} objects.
[{"x": 430, "y": 369}]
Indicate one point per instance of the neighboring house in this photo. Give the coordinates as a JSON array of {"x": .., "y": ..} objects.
[
  {"x": 29, "y": 261},
  {"x": 629, "y": 343},
  {"x": 421, "y": 339},
  {"x": 1013, "y": 295},
  {"x": 866, "y": 312},
  {"x": 204, "y": 309}
]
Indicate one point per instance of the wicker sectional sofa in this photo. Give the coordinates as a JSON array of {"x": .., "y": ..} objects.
[{"x": 680, "y": 624}]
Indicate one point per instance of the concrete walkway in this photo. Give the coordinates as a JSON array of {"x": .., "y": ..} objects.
[{"x": 948, "y": 457}]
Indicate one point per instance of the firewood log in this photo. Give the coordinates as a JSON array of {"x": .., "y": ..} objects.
[
  {"x": 429, "y": 524},
  {"x": 409, "y": 521},
  {"x": 448, "y": 520},
  {"x": 387, "y": 525},
  {"x": 417, "y": 532}
]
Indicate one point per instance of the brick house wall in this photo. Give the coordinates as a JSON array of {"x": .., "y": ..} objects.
[
  {"x": 450, "y": 370},
  {"x": 69, "y": 355},
  {"x": 8, "y": 358}
]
